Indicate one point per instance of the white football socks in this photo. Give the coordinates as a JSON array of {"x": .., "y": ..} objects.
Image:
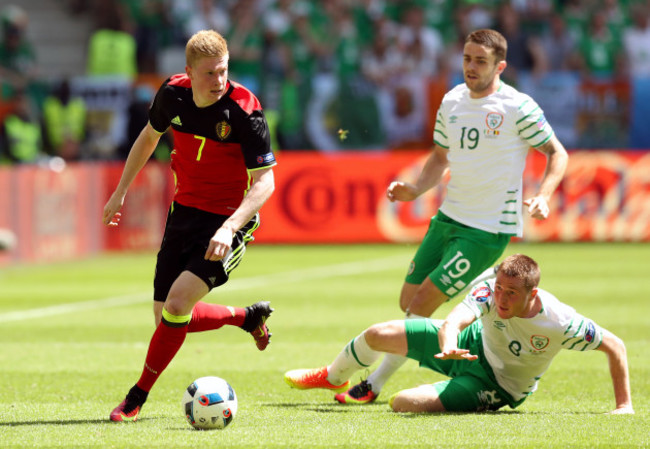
[
  {"x": 355, "y": 356},
  {"x": 388, "y": 366}
]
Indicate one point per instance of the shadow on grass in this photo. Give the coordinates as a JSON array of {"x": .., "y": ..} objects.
[
  {"x": 328, "y": 408},
  {"x": 382, "y": 407},
  {"x": 68, "y": 422}
]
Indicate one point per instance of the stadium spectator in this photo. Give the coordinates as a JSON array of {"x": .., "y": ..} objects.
[
  {"x": 534, "y": 14},
  {"x": 64, "y": 123},
  {"x": 152, "y": 28},
  {"x": 300, "y": 50},
  {"x": 559, "y": 46},
  {"x": 525, "y": 53},
  {"x": 495, "y": 346},
  {"x": 21, "y": 139},
  {"x": 200, "y": 15},
  {"x": 616, "y": 16},
  {"x": 221, "y": 154},
  {"x": 601, "y": 51},
  {"x": 421, "y": 44},
  {"x": 576, "y": 15},
  {"x": 18, "y": 64},
  {"x": 112, "y": 49},
  {"x": 246, "y": 43},
  {"x": 485, "y": 152},
  {"x": 452, "y": 60},
  {"x": 398, "y": 87},
  {"x": 636, "y": 41}
]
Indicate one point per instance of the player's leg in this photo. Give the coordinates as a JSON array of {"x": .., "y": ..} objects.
[
  {"x": 460, "y": 394},
  {"x": 419, "y": 399},
  {"x": 208, "y": 316},
  {"x": 361, "y": 352},
  {"x": 416, "y": 285},
  {"x": 471, "y": 387},
  {"x": 167, "y": 339}
]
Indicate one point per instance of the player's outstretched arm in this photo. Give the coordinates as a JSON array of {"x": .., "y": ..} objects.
[
  {"x": 458, "y": 319},
  {"x": 430, "y": 176},
  {"x": 616, "y": 353},
  {"x": 556, "y": 163},
  {"x": 141, "y": 151}
]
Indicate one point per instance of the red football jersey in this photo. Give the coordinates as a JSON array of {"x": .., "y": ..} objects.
[{"x": 214, "y": 147}]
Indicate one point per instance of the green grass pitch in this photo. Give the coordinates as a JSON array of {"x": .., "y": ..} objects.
[{"x": 73, "y": 337}]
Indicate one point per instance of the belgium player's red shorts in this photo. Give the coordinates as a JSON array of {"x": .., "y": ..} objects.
[{"x": 187, "y": 234}]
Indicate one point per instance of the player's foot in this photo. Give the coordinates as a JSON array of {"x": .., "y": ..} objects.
[
  {"x": 130, "y": 407},
  {"x": 359, "y": 394},
  {"x": 255, "y": 323},
  {"x": 305, "y": 379}
]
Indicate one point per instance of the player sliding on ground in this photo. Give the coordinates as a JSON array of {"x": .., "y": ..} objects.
[{"x": 495, "y": 346}]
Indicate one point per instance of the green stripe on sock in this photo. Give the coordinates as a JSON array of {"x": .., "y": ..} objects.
[{"x": 354, "y": 354}]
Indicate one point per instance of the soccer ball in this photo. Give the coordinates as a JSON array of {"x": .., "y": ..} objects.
[{"x": 209, "y": 403}]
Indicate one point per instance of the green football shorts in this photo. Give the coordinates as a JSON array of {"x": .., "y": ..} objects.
[
  {"x": 472, "y": 386},
  {"x": 453, "y": 255}
]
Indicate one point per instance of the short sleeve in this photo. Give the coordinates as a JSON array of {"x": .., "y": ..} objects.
[
  {"x": 531, "y": 123},
  {"x": 480, "y": 300},
  {"x": 256, "y": 142},
  {"x": 440, "y": 132},
  {"x": 158, "y": 117},
  {"x": 582, "y": 334}
]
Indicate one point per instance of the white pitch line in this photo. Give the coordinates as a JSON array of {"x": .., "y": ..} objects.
[{"x": 286, "y": 277}]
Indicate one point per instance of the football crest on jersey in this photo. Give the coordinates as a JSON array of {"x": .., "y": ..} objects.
[
  {"x": 223, "y": 130},
  {"x": 539, "y": 342},
  {"x": 493, "y": 120}
]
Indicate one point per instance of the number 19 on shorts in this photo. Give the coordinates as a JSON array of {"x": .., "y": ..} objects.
[{"x": 455, "y": 268}]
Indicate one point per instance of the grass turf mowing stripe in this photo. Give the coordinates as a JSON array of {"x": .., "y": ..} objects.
[{"x": 306, "y": 274}]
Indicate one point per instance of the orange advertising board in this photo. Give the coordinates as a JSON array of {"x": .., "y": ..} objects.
[
  {"x": 604, "y": 197},
  {"x": 323, "y": 198},
  {"x": 144, "y": 210},
  {"x": 319, "y": 198}
]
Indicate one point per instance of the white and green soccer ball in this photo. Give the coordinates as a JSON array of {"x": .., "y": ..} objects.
[{"x": 209, "y": 403}]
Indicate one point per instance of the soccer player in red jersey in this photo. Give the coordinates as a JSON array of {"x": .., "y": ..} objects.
[{"x": 222, "y": 164}]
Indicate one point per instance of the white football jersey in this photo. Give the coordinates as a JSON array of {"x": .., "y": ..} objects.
[
  {"x": 520, "y": 350},
  {"x": 488, "y": 140}
]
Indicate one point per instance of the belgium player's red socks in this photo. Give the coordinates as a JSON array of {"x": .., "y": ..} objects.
[
  {"x": 165, "y": 343},
  {"x": 206, "y": 316}
]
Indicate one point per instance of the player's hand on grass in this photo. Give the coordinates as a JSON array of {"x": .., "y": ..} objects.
[
  {"x": 537, "y": 207},
  {"x": 112, "y": 215},
  {"x": 219, "y": 245},
  {"x": 456, "y": 354},
  {"x": 401, "y": 191}
]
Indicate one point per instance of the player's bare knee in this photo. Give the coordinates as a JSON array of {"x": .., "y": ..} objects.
[
  {"x": 175, "y": 306},
  {"x": 374, "y": 335},
  {"x": 380, "y": 336}
]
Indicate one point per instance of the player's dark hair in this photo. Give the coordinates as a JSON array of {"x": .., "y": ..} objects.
[
  {"x": 522, "y": 267},
  {"x": 490, "y": 39}
]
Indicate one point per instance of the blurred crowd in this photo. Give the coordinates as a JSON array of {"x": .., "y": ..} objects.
[{"x": 332, "y": 75}]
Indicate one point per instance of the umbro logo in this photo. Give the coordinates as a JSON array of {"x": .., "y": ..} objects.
[{"x": 177, "y": 121}]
